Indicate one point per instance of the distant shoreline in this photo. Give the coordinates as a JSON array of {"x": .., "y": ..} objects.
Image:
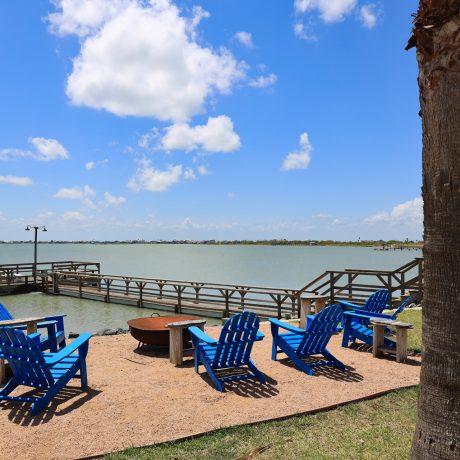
[{"x": 384, "y": 245}]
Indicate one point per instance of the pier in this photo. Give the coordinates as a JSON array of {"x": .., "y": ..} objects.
[{"x": 85, "y": 281}]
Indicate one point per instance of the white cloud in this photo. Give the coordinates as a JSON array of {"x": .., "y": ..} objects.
[
  {"x": 15, "y": 180},
  {"x": 83, "y": 17},
  {"x": 368, "y": 15},
  {"x": 115, "y": 200},
  {"x": 217, "y": 135},
  {"x": 74, "y": 193},
  {"x": 244, "y": 38},
  {"x": 203, "y": 170},
  {"x": 154, "y": 180},
  {"x": 142, "y": 59},
  {"x": 408, "y": 213},
  {"x": 329, "y": 10},
  {"x": 301, "y": 31},
  {"x": 263, "y": 81},
  {"x": 148, "y": 140},
  {"x": 299, "y": 159},
  {"x": 73, "y": 216},
  {"x": 189, "y": 174},
  {"x": 45, "y": 150},
  {"x": 90, "y": 165},
  {"x": 49, "y": 149}
]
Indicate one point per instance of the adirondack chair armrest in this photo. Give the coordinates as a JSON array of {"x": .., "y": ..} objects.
[
  {"x": 353, "y": 306},
  {"x": 288, "y": 327},
  {"x": 81, "y": 340},
  {"x": 259, "y": 336},
  {"x": 368, "y": 315},
  {"x": 43, "y": 324},
  {"x": 55, "y": 317},
  {"x": 201, "y": 336}
]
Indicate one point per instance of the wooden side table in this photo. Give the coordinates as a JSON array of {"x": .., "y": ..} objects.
[
  {"x": 176, "y": 344},
  {"x": 311, "y": 303},
  {"x": 401, "y": 337}
]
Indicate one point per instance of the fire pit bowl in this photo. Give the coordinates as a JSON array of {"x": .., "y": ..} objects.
[{"x": 153, "y": 331}]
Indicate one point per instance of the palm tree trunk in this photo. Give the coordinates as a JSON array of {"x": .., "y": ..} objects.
[{"x": 437, "y": 40}]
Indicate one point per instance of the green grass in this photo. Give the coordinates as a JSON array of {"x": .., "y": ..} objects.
[
  {"x": 380, "y": 428},
  {"x": 415, "y": 335}
]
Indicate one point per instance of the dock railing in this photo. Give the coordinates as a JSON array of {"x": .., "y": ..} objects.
[
  {"x": 15, "y": 276},
  {"x": 178, "y": 295},
  {"x": 358, "y": 284}
]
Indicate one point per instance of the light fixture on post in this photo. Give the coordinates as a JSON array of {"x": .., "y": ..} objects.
[{"x": 36, "y": 229}]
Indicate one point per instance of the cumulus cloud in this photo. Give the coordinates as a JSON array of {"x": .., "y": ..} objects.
[
  {"x": 19, "y": 181},
  {"x": 203, "y": 170},
  {"x": 49, "y": 149},
  {"x": 90, "y": 165},
  {"x": 409, "y": 212},
  {"x": 142, "y": 58},
  {"x": 217, "y": 135},
  {"x": 45, "y": 150},
  {"x": 114, "y": 200},
  {"x": 329, "y": 10},
  {"x": 75, "y": 193},
  {"x": 73, "y": 216},
  {"x": 154, "y": 180},
  {"x": 244, "y": 38},
  {"x": 263, "y": 81},
  {"x": 299, "y": 159},
  {"x": 368, "y": 15}
]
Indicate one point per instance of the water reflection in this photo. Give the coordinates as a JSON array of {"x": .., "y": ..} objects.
[{"x": 82, "y": 315}]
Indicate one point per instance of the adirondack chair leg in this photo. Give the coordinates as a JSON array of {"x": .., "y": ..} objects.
[
  {"x": 217, "y": 383},
  {"x": 197, "y": 361},
  {"x": 274, "y": 349},
  {"x": 328, "y": 355},
  {"x": 8, "y": 388},
  {"x": 256, "y": 371},
  {"x": 82, "y": 360},
  {"x": 297, "y": 361},
  {"x": 274, "y": 330}
]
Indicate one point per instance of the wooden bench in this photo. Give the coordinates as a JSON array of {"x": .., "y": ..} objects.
[
  {"x": 176, "y": 344},
  {"x": 401, "y": 337}
]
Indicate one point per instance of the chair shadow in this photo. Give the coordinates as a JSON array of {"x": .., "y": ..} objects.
[
  {"x": 330, "y": 372},
  {"x": 364, "y": 348},
  {"x": 19, "y": 412},
  {"x": 247, "y": 388}
]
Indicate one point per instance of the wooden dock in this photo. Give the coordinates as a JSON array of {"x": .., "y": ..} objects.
[{"x": 84, "y": 280}]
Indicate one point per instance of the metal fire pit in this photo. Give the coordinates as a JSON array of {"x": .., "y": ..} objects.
[{"x": 153, "y": 331}]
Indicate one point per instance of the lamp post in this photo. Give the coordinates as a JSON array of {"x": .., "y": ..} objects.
[{"x": 36, "y": 229}]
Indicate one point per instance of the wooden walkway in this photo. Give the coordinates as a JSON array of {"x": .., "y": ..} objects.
[{"x": 83, "y": 280}]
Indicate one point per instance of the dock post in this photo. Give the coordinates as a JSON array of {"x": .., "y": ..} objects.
[{"x": 55, "y": 283}]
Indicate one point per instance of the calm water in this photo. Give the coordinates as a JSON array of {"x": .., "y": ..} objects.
[{"x": 274, "y": 266}]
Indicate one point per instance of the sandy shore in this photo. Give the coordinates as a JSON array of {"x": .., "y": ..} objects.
[{"x": 140, "y": 399}]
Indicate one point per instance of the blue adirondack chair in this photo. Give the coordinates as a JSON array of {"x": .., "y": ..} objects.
[
  {"x": 356, "y": 324},
  {"x": 232, "y": 350},
  {"x": 298, "y": 343},
  {"x": 49, "y": 372},
  {"x": 54, "y": 325},
  {"x": 376, "y": 303}
]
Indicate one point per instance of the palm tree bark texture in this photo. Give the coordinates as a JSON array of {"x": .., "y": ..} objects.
[{"x": 436, "y": 36}]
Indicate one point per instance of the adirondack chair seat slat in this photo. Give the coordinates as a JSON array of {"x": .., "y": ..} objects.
[
  {"x": 299, "y": 344},
  {"x": 45, "y": 371},
  {"x": 231, "y": 351}
]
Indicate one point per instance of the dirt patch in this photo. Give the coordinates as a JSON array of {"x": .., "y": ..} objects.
[{"x": 141, "y": 399}]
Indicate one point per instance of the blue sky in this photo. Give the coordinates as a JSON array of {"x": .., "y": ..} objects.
[{"x": 129, "y": 119}]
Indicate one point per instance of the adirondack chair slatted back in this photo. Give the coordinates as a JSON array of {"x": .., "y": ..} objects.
[
  {"x": 236, "y": 340},
  {"x": 25, "y": 358},
  {"x": 320, "y": 330},
  {"x": 378, "y": 301},
  {"x": 5, "y": 315}
]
